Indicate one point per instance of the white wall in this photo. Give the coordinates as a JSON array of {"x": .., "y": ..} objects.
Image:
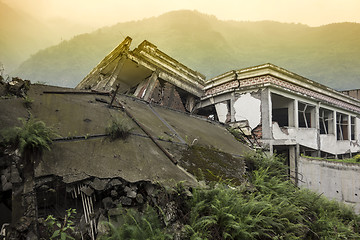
[
  {"x": 222, "y": 111},
  {"x": 335, "y": 180},
  {"x": 248, "y": 108},
  {"x": 303, "y": 136}
]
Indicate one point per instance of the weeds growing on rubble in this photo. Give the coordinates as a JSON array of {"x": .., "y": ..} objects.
[
  {"x": 268, "y": 206},
  {"x": 118, "y": 129}
]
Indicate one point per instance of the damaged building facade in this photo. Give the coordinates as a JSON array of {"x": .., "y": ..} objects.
[
  {"x": 278, "y": 109},
  {"x": 275, "y": 109},
  {"x": 285, "y": 112},
  {"x": 148, "y": 74}
]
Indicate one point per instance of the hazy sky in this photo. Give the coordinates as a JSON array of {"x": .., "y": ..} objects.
[{"x": 107, "y": 12}]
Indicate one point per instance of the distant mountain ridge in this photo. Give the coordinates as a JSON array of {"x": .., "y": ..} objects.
[{"x": 328, "y": 54}]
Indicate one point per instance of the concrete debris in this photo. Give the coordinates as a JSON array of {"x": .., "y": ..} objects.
[
  {"x": 125, "y": 201},
  {"x": 23, "y": 224},
  {"x": 115, "y": 182},
  {"x": 87, "y": 190},
  {"x": 108, "y": 203},
  {"x": 18, "y": 87},
  {"x": 149, "y": 188},
  {"x": 170, "y": 212},
  {"x": 15, "y": 176},
  {"x": 139, "y": 198},
  {"x": 99, "y": 184},
  {"x": 129, "y": 192},
  {"x": 102, "y": 227},
  {"x": 114, "y": 193}
]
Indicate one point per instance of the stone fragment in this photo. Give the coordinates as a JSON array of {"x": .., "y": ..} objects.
[
  {"x": 149, "y": 188},
  {"x": 125, "y": 201},
  {"x": 129, "y": 192},
  {"x": 15, "y": 176},
  {"x": 170, "y": 212},
  {"x": 115, "y": 182},
  {"x": 114, "y": 193},
  {"x": 87, "y": 190},
  {"x": 102, "y": 227},
  {"x": 18, "y": 86},
  {"x": 7, "y": 186},
  {"x": 139, "y": 198},
  {"x": 99, "y": 184},
  {"x": 107, "y": 203}
]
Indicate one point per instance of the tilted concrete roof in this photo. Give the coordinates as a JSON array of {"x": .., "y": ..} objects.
[{"x": 79, "y": 116}]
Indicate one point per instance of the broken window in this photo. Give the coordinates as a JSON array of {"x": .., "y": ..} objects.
[
  {"x": 282, "y": 110},
  {"x": 326, "y": 120},
  {"x": 342, "y": 125},
  {"x": 306, "y": 115},
  {"x": 352, "y": 128}
]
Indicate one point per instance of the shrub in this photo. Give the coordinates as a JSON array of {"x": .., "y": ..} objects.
[
  {"x": 61, "y": 230},
  {"x": 118, "y": 129},
  {"x": 137, "y": 226},
  {"x": 32, "y": 136},
  {"x": 27, "y": 102},
  {"x": 357, "y": 158}
]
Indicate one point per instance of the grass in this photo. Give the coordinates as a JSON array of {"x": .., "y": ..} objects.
[{"x": 118, "y": 129}]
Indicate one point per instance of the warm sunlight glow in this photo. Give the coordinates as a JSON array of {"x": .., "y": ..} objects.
[{"x": 107, "y": 12}]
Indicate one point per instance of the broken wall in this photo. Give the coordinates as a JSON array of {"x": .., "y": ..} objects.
[{"x": 335, "y": 180}]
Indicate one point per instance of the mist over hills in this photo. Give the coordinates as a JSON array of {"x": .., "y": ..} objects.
[
  {"x": 22, "y": 35},
  {"x": 328, "y": 54}
]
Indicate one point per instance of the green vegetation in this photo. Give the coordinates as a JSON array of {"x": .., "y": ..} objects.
[
  {"x": 32, "y": 136},
  {"x": 137, "y": 225},
  {"x": 355, "y": 159},
  {"x": 28, "y": 102},
  {"x": 212, "y": 47},
  {"x": 61, "y": 230},
  {"x": 267, "y": 206},
  {"x": 118, "y": 128}
]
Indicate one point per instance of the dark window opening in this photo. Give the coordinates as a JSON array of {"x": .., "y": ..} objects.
[
  {"x": 342, "y": 124},
  {"x": 305, "y": 115},
  {"x": 282, "y": 110},
  {"x": 208, "y": 112},
  {"x": 280, "y": 116},
  {"x": 353, "y": 128},
  {"x": 325, "y": 121}
]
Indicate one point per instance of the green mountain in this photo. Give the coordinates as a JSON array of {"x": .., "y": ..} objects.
[{"x": 328, "y": 54}]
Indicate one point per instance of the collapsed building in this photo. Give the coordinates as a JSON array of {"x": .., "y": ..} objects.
[
  {"x": 287, "y": 112},
  {"x": 170, "y": 109},
  {"x": 149, "y": 74}
]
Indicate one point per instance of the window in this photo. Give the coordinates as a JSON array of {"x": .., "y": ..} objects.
[
  {"x": 342, "y": 124},
  {"x": 326, "y": 120},
  {"x": 306, "y": 115},
  {"x": 282, "y": 110},
  {"x": 352, "y": 128}
]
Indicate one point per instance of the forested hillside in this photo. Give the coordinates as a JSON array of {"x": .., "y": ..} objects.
[{"x": 328, "y": 54}]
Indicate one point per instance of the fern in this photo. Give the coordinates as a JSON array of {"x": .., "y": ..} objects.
[
  {"x": 32, "y": 136},
  {"x": 137, "y": 225}
]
